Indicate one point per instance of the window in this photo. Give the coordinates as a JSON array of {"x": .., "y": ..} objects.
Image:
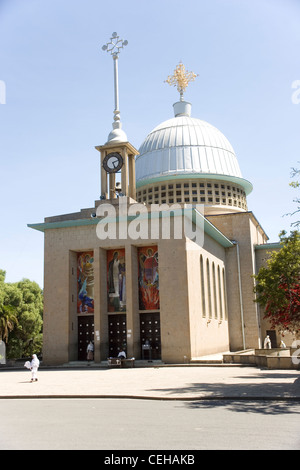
[
  {"x": 202, "y": 286},
  {"x": 220, "y": 294},
  {"x": 208, "y": 288},
  {"x": 224, "y": 293},
  {"x": 215, "y": 290}
]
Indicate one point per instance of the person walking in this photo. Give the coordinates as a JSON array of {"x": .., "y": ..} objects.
[{"x": 34, "y": 365}]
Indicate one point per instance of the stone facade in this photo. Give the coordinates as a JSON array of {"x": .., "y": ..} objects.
[{"x": 206, "y": 290}]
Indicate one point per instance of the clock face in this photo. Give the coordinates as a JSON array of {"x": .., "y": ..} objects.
[{"x": 113, "y": 162}]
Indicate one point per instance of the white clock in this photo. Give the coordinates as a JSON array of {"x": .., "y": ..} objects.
[{"x": 113, "y": 162}]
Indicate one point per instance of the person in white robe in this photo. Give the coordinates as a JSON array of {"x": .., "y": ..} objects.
[{"x": 34, "y": 365}]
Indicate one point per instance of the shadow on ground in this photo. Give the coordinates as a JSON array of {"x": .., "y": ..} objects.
[{"x": 270, "y": 396}]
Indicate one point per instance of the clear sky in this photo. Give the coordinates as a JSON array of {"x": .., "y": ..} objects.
[{"x": 59, "y": 100}]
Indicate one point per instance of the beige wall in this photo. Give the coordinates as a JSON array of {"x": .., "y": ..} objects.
[
  {"x": 246, "y": 231},
  {"x": 185, "y": 332},
  {"x": 60, "y": 313},
  {"x": 191, "y": 325},
  {"x": 207, "y": 306}
]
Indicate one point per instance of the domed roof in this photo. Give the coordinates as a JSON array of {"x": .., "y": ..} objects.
[{"x": 184, "y": 146}]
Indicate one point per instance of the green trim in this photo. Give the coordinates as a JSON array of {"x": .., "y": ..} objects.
[
  {"x": 248, "y": 187},
  {"x": 209, "y": 228},
  {"x": 63, "y": 224},
  {"x": 268, "y": 246}
]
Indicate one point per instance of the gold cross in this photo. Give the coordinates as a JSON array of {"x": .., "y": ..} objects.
[{"x": 181, "y": 78}]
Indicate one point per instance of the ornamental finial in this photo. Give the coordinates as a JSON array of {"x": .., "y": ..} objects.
[{"x": 181, "y": 78}]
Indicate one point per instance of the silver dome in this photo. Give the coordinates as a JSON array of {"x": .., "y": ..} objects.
[{"x": 185, "y": 145}]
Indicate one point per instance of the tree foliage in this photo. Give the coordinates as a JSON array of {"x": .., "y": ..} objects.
[
  {"x": 296, "y": 185},
  {"x": 277, "y": 284},
  {"x": 21, "y": 311}
]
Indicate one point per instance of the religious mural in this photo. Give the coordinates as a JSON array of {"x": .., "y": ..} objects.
[
  {"x": 116, "y": 280},
  {"x": 85, "y": 282},
  {"x": 148, "y": 278}
]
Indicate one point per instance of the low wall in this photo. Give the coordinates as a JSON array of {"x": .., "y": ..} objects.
[
  {"x": 273, "y": 352},
  {"x": 275, "y": 358}
]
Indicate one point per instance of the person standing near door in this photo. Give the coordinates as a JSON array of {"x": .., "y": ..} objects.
[{"x": 90, "y": 351}]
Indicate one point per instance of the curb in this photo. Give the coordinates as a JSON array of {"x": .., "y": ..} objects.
[{"x": 142, "y": 397}]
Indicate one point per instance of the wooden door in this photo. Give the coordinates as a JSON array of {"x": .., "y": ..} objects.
[
  {"x": 117, "y": 337},
  {"x": 85, "y": 334},
  {"x": 150, "y": 331}
]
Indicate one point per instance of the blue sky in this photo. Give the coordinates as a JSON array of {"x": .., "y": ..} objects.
[{"x": 59, "y": 100}]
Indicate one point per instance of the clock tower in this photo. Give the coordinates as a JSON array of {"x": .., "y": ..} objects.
[{"x": 117, "y": 155}]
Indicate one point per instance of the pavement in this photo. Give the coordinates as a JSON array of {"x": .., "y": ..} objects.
[{"x": 155, "y": 381}]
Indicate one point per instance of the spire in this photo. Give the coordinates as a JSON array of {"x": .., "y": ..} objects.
[{"x": 114, "y": 46}]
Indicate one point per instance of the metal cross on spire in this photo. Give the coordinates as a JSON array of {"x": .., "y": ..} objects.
[
  {"x": 114, "y": 46},
  {"x": 181, "y": 79}
]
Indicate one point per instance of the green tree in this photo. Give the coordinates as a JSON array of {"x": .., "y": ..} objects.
[
  {"x": 8, "y": 318},
  {"x": 277, "y": 284},
  {"x": 23, "y": 301},
  {"x": 295, "y": 184}
]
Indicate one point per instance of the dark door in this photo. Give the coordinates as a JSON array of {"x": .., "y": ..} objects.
[
  {"x": 85, "y": 335},
  {"x": 150, "y": 333},
  {"x": 116, "y": 334},
  {"x": 272, "y": 334}
]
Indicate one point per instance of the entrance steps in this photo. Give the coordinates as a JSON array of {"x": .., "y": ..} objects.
[{"x": 222, "y": 359}]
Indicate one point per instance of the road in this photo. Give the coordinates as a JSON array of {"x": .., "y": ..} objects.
[{"x": 124, "y": 424}]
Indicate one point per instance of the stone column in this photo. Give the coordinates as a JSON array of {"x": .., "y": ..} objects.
[{"x": 132, "y": 315}]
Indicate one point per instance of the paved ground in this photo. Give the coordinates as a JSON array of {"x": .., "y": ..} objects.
[{"x": 182, "y": 382}]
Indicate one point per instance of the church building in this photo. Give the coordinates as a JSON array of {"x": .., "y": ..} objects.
[{"x": 162, "y": 264}]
